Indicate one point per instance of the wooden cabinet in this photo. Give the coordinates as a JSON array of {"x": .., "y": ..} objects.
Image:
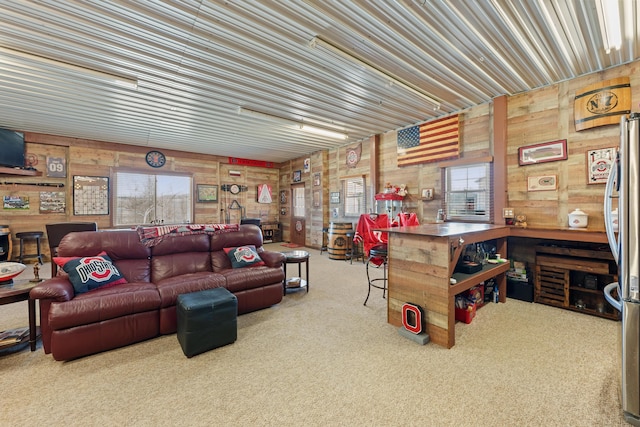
[
  {"x": 573, "y": 278},
  {"x": 271, "y": 232}
]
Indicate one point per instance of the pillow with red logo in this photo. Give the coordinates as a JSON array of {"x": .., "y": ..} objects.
[
  {"x": 91, "y": 272},
  {"x": 244, "y": 256}
]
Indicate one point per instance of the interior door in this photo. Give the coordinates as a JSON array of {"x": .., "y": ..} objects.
[{"x": 298, "y": 209}]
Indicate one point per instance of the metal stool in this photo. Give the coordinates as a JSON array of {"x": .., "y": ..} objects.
[
  {"x": 26, "y": 236},
  {"x": 378, "y": 251},
  {"x": 323, "y": 248}
]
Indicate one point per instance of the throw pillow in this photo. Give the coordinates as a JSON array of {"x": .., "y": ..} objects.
[
  {"x": 244, "y": 256},
  {"x": 88, "y": 273}
]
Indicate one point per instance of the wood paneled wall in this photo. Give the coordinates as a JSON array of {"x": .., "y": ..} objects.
[
  {"x": 546, "y": 115},
  {"x": 96, "y": 158}
]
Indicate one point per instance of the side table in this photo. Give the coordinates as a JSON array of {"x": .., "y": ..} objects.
[
  {"x": 19, "y": 291},
  {"x": 296, "y": 257}
]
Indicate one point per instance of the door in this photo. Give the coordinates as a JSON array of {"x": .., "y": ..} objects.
[{"x": 298, "y": 209}]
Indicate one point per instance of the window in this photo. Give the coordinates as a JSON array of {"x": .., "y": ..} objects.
[
  {"x": 298, "y": 201},
  {"x": 143, "y": 198},
  {"x": 468, "y": 192},
  {"x": 354, "y": 196}
]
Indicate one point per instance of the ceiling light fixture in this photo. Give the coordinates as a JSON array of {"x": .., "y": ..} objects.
[
  {"x": 300, "y": 125},
  {"x": 319, "y": 41},
  {"x": 609, "y": 17},
  {"x": 89, "y": 72}
]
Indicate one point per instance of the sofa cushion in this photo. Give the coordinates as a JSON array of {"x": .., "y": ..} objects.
[
  {"x": 91, "y": 272},
  {"x": 244, "y": 256}
]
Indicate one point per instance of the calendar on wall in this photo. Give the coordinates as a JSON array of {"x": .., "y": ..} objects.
[{"x": 90, "y": 195}]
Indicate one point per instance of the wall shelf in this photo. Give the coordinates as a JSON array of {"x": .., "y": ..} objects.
[{"x": 21, "y": 172}]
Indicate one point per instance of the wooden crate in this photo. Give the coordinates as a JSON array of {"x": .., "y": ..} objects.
[{"x": 552, "y": 285}]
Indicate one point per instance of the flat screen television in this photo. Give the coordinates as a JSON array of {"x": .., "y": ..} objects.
[{"x": 11, "y": 148}]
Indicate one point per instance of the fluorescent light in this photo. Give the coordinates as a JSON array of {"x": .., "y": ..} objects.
[
  {"x": 299, "y": 124},
  {"x": 317, "y": 40},
  {"x": 610, "y": 25},
  {"x": 324, "y": 132},
  {"x": 89, "y": 72}
]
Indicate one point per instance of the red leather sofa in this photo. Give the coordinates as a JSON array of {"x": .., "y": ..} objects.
[{"x": 73, "y": 325}]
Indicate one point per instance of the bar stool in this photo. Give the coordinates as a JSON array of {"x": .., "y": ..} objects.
[
  {"x": 27, "y": 235},
  {"x": 378, "y": 252},
  {"x": 353, "y": 248},
  {"x": 324, "y": 248}
]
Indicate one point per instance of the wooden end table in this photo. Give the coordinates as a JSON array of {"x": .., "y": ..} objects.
[
  {"x": 16, "y": 292},
  {"x": 296, "y": 257}
]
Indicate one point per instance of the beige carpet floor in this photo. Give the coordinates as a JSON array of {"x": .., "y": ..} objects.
[{"x": 323, "y": 359}]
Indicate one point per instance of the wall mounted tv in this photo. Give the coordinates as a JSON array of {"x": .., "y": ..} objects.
[{"x": 11, "y": 148}]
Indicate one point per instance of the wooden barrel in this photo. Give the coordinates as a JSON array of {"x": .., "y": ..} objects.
[{"x": 338, "y": 243}]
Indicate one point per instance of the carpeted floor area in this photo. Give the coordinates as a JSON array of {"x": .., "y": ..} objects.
[{"x": 323, "y": 359}]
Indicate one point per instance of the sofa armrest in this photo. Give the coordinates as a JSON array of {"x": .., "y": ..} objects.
[
  {"x": 57, "y": 288},
  {"x": 272, "y": 258}
]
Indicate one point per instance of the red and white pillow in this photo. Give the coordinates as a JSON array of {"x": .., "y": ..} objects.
[
  {"x": 89, "y": 273},
  {"x": 244, "y": 256}
]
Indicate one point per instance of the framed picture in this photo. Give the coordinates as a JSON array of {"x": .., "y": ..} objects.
[
  {"x": 334, "y": 197},
  {"x": 542, "y": 183},
  {"x": 207, "y": 193},
  {"x": 427, "y": 194},
  {"x": 316, "y": 198},
  {"x": 599, "y": 163},
  {"x": 297, "y": 176},
  {"x": 90, "y": 195},
  {"x": 284, "y": 197},
  {"x": 264, "y": 193},
  {"x": 316, "y": 179},
  {"x": 541, "y": 153}
]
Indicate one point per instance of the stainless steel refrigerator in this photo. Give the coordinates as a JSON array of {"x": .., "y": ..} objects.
[{"x": 623, "y": 187}]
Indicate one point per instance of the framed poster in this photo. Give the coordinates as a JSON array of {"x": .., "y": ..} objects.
[
  {"x": 335, "y": 197},
  {"x": 207, "y": 193},
  {"x": 541, "y": 153},
  {"x": 427, "y": 194},
  {"x": 297, "y": 176},
  {"x": 90, "y": 195},
  {"x": 316, "y": 198},
  {"x": 316, "y": 179},
  {"x": 52, "y": 202},
  {"x": 283, "y": 197},
  {"x": 542, "y": 183},
  {"x": 599, "y": 164}
]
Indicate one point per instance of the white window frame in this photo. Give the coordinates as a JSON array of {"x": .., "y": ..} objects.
[
  {"x": 152, "y": 208},
  {"x": 355, "y": 196},
  {"x": 473, "y": 185}
]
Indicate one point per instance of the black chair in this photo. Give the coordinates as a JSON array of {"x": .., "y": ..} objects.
[
  {"x": 254, "y": 221},
  {"x": 55, "y": 233}
]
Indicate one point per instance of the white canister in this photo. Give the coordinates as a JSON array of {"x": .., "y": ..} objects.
[{"x": 578, "y": 219}]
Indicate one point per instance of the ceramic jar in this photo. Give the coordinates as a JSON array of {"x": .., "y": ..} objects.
[{"x": 578, "y": 219}]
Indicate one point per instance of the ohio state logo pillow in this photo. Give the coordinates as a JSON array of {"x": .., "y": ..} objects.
[
  {"x": 244, "y": 256},
  {"x": 92, "y": 272}
]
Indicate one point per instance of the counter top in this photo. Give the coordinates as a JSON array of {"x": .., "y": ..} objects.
[{"x": 446, "y": 229}]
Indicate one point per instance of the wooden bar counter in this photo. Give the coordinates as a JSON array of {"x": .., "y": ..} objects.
[{"x": 421, "y": 261}]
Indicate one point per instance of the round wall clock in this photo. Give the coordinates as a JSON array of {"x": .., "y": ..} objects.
[
  {"x": 155, "y": 159},
  {"x": 234, "y": 189}
]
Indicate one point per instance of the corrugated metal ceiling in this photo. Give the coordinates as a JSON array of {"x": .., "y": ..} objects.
[{"x": 197, "y": 62}]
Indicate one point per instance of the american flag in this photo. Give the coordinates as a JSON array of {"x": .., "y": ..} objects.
[{"x": 430, "y": 142}]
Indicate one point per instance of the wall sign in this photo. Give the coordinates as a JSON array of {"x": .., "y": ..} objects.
[
  {"x": 602, "y": 103},
  {"x": 56, "y": 167},
  {"x": 599, "y": 164}
]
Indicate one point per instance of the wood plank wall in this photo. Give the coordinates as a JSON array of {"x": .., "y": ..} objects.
[
  {"x": 537, "y": 116},
  {"x": 96, "y": 158},
  {"x": 546, "y": 115}
]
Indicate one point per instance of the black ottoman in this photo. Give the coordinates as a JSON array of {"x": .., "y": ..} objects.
[{"x": 206, "y": 320}]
